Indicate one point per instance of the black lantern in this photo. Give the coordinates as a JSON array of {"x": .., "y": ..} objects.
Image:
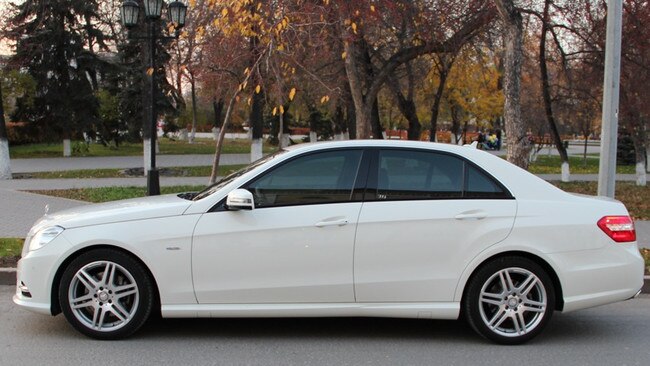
[
  {"x": 130, "y": 13},
  {"x": 177, "y": 13},
  {"x": 153, "y": 8}
]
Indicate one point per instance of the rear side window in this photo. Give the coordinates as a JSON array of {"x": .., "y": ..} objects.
[
  {"x": 326, "y": 177},
  {"x": 480, "y": 185},
  {"x": 421, "y": 175},
  {"x": 418, "y": 175}
]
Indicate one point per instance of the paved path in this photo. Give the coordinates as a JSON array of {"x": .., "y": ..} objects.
[
  {"x": 119, "y": 162},
  {"x": 47, "y": 184},
  {"x": 20, "y": 210},
  {"x": 615, "y": 334}
]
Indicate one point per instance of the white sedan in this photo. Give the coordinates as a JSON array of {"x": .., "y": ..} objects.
[{"x": 356, "y": 228}]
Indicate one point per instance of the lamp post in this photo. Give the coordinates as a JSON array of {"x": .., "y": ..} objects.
[{"x": 177, "y": 12}]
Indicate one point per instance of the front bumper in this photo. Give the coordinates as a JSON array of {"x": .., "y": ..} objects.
[{"x": 35, "y": 274}]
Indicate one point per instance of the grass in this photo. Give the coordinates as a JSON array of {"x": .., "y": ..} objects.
[
  {"x": 635, "y": 198},
  {"x": 197, "y": 171},
  {"x": 10, "y": 247},
  {"x": 106, "y": 194},
  {"x": 167, "y": 147},
  {"x": 552, "y": 165},
  {"x": 645, "y": 253}
]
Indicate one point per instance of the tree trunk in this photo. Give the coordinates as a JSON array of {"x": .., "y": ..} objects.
[
  {"x": 353, "y": 70},
  {"x": 256, "y": 118},
  {"x": 639, "y": 140},
  {"x": 435, "y": 108},
  {"x": 5, "y": 161},
  {"x": 193, "y": 85},
  {"x": 377, "y": 130},
  {"x": 546, "y": 92},
  {"x": 518, "y": 145},
  {"x": 217, "y": 106},
  {"x": 406, "y": 106}
]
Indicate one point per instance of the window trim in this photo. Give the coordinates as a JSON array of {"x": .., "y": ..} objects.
[{"x": 373, "y": 178}]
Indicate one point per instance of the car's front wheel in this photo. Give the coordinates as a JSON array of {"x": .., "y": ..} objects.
[
  {"x": 509, "y": 300},
  {"x": 106, "y": 294}
]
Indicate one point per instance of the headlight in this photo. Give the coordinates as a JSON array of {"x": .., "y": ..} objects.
[{"x": 44, "y": 236}]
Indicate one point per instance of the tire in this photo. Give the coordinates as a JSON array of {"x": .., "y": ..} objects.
[
  {"x": 106, "y": 294},
  {"x": 509, "y": 300}
]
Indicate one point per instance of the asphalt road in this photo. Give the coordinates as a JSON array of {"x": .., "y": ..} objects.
[{"x": 617, "y": 334}]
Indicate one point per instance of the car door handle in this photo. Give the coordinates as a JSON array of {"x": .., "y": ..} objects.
[
  {"x": 332, "y": 223},
  {"x": 471, "y": 215}
]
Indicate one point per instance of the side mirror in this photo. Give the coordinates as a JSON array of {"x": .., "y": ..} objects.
[{"x": 240, "y": 199}]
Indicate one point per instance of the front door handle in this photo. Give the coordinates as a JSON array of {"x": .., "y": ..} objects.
[
  {"x": 472, "y": 215},
  {"x": 341, "y": 222}
]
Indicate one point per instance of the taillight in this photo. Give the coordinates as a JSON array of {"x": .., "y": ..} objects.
[{"x": 619, "y": 228}]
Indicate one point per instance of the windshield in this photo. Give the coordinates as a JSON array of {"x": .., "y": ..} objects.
[{"x": 227, "y": 180}]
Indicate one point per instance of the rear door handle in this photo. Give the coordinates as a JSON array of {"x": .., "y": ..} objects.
[
  {"x": 341, "y": 222},
  {"x": 472, "y": 215}
]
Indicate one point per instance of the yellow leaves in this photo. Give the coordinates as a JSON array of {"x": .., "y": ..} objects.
[
  {"x": 200, "y": 31},
  {"x": 324, "y": 99},
  {"x": 224, "y": 12},
  {"x": 278, "y": 109},
  {"x": 344, "y": 55},
  {"x": 292, "y": 94},
  {"x": 258, "y": 89},
  {"x": 150, "y": 71},
  {"x": 372, "y": 8},
  {"x": 326, "y": 2},
  {"x": 354, "y": 27}
]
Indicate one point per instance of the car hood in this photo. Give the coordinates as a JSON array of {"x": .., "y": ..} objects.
[{"x": 117, "y": 211}]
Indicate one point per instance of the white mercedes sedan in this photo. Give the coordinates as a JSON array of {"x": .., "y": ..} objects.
[{"x": 342, "y": 229}]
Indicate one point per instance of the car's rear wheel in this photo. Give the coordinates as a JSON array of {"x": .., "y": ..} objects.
[
  {"x": 509, "y": 300},
  {"x": 106, "y": 294}
]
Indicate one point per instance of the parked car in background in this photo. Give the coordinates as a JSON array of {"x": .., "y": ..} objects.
[{"x": 353, "y": 228}]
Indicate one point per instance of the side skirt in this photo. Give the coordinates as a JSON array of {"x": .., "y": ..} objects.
[{"x": 437, "y": 310}]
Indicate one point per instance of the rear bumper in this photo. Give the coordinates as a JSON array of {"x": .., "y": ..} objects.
[{"x": 601, "y": 276}]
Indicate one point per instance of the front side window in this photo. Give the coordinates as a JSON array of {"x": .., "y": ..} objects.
[{"x": 326, "y": 177}]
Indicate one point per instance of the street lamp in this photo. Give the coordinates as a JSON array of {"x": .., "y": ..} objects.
[{"x": 177, "y": 11}]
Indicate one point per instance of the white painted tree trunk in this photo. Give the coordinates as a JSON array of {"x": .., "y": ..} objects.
[
  {"x": 284, "y": 140},
  {"x": 256, "y": 149},
  {"x": 67, "y": 148},
  {"x": 647, "y": 159},
  {"x": 453, "y": 139},
  {"x": 641, "y": 177},
  {"x": 192, "y": 135},
  {"x": 157, "y": 147},
  {"x": 346, "y": 135},
  {"x": 566, "y": 172},
  {"x": 182, "y": 134},
  {"x": 215, "y": 133},
  {"x": 313, "y": 137},
  {"x": 146, "y": 143},
  {"x": 5, "y": 161}
]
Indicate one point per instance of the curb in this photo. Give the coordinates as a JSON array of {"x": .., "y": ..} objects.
[{"x": 8, "y": 278}]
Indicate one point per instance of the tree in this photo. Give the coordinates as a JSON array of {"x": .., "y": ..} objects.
[
  {"x": 5, "y": 163},
  {"x": 518, "y": 146},
  {"x": 365, "y": 87},
  {"x": 52, "y": 45}
]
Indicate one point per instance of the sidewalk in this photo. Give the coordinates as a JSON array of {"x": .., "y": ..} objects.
[{"x": 120, "y": 162}]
